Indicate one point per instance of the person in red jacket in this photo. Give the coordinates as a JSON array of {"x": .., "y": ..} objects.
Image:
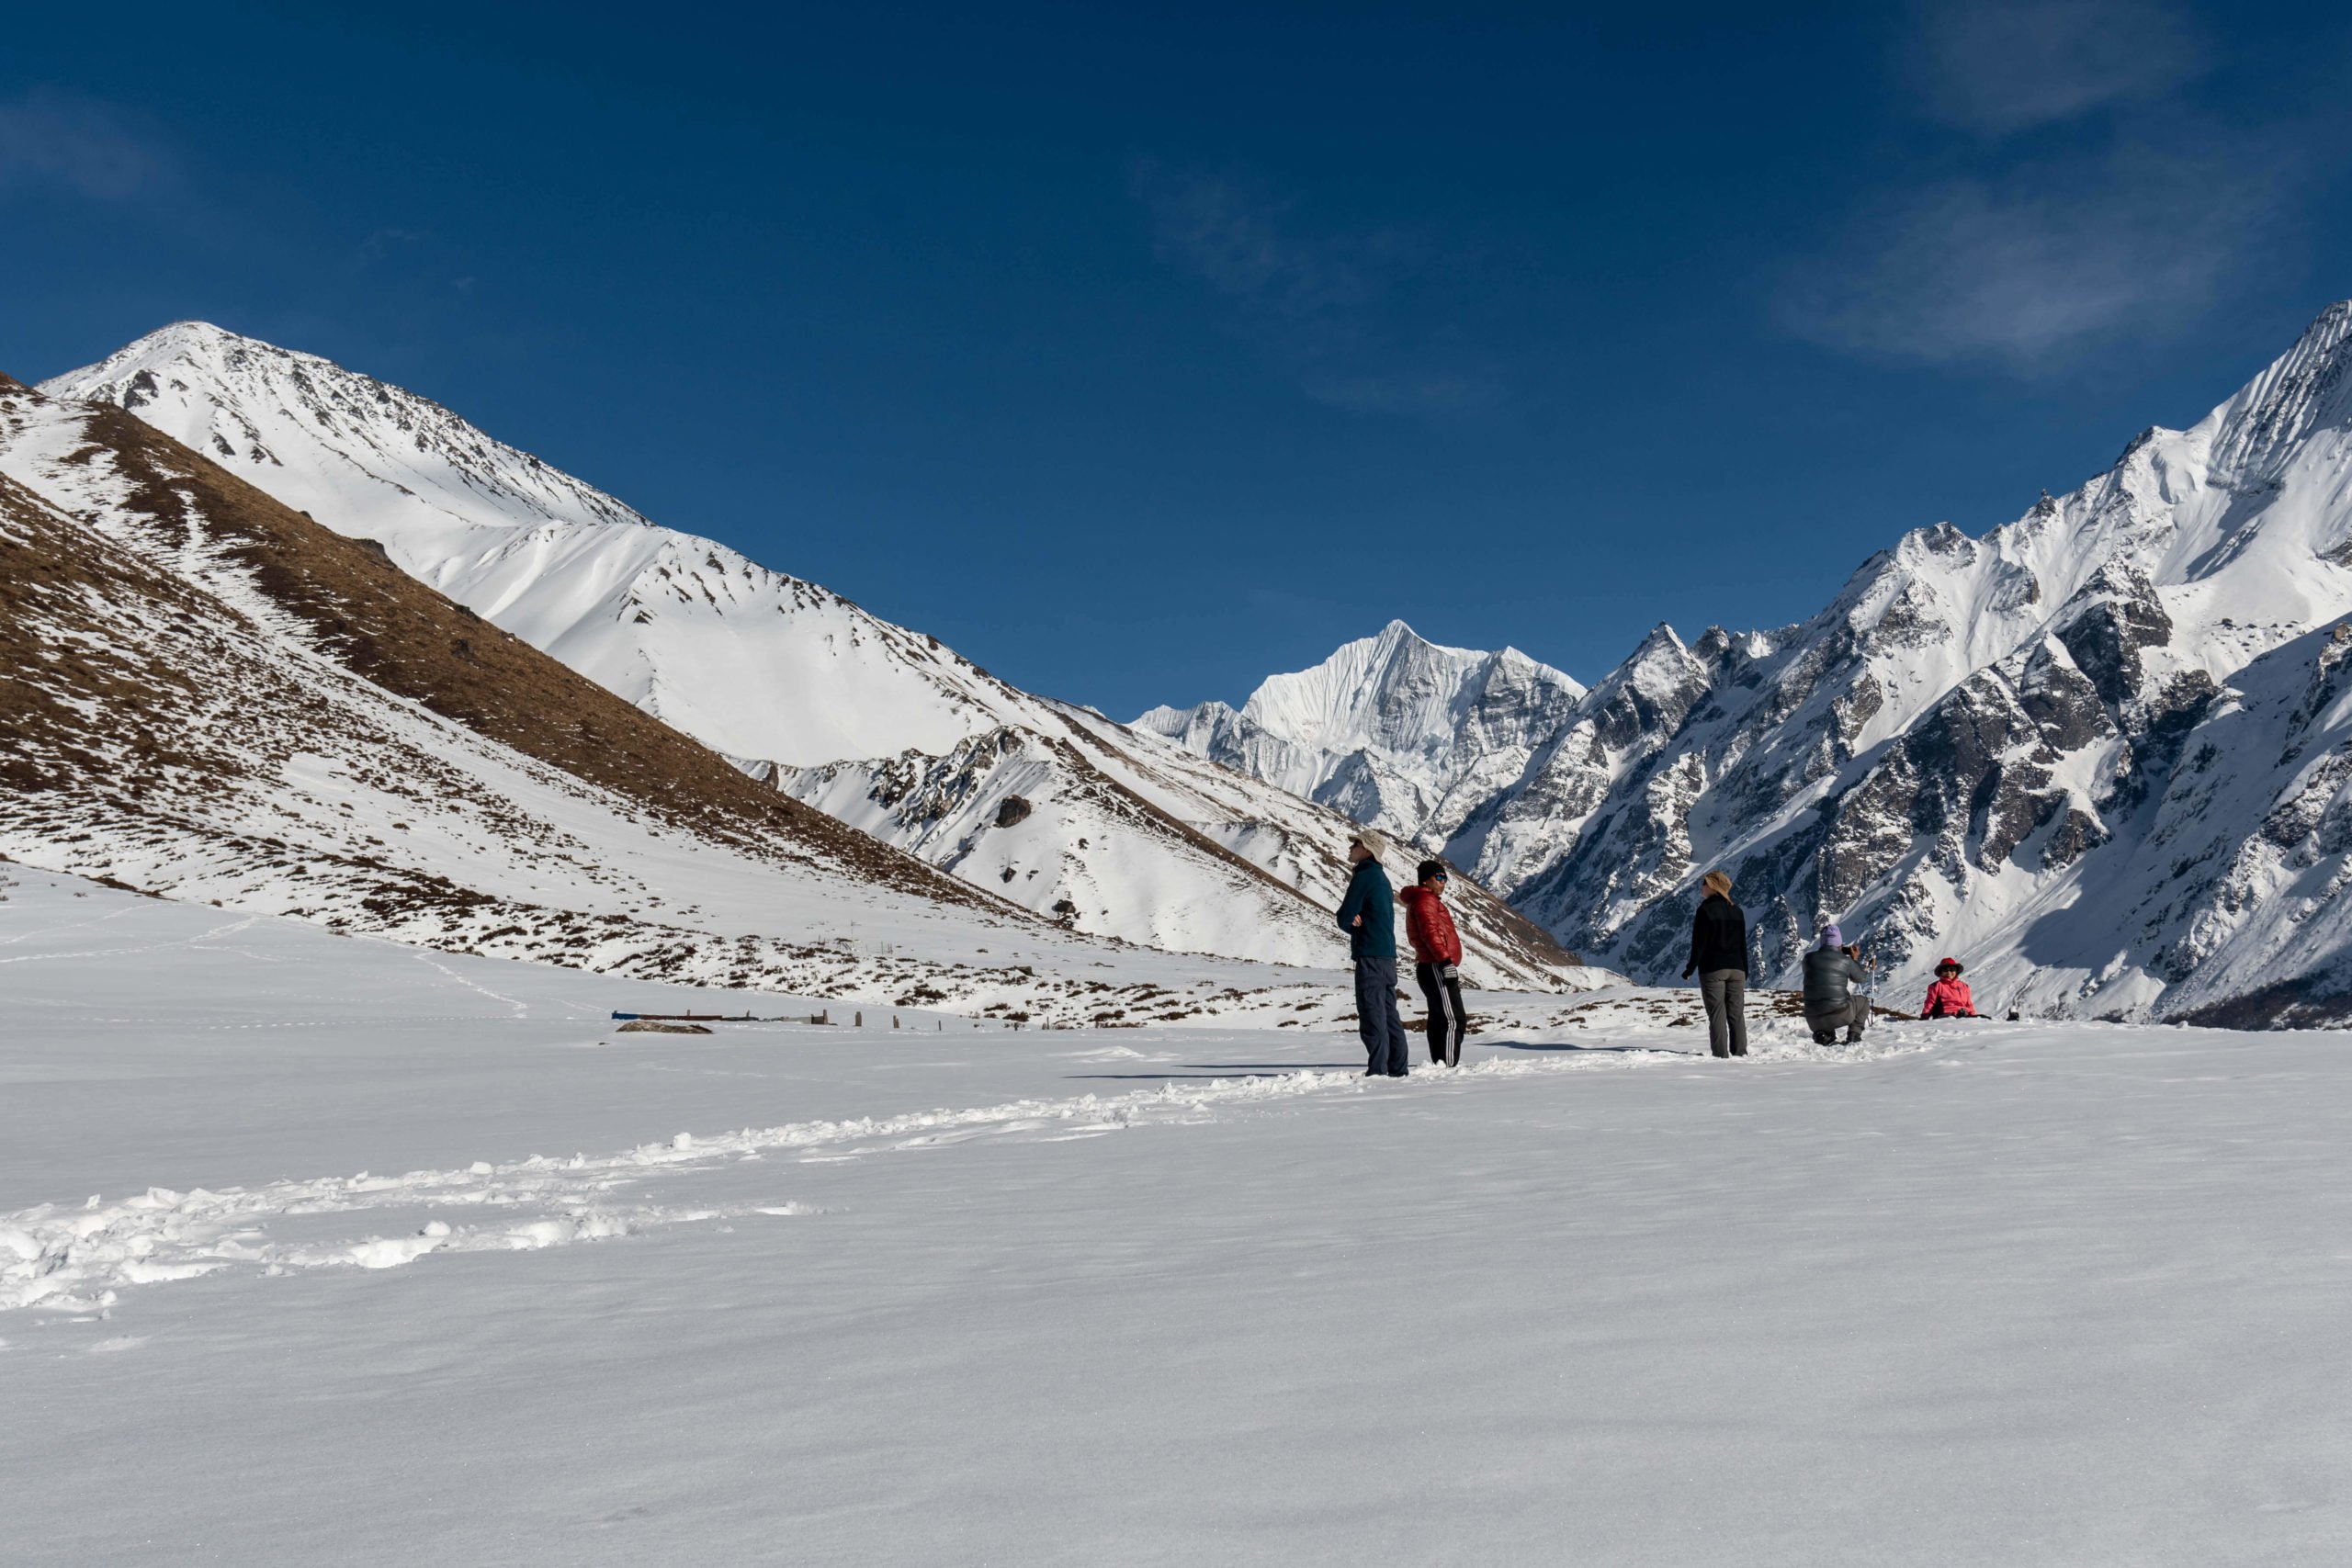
[
  {"x": 1948, "y": 997},
  {"x": 1437, "y": 958}
]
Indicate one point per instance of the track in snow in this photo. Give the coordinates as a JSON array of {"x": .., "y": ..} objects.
[{"x": 78, "y": 1258}]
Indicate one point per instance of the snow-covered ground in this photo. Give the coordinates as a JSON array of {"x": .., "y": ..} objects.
[{"x": 1998, "y": 1294}]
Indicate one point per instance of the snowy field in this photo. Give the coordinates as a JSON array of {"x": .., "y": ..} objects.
[{"x": 1998, "y": 1294}]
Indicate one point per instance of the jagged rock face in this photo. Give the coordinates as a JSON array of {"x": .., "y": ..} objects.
[
  {"x": 2228, "y": 900},
  {"x": 1960, "y": 797},
  {"x": 1965, "y": 748},
  {"x": 2115, "y": 618},
  {"x": 2065, "y": 705}
]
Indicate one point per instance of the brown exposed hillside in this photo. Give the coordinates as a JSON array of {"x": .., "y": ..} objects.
[{"x": 403, "y": 636}]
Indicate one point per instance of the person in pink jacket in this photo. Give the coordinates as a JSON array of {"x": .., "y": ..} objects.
[{"x": 1949, "y": 998}]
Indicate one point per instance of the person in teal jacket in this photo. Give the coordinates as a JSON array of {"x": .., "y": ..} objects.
[{"x": 1368, "y": 914}]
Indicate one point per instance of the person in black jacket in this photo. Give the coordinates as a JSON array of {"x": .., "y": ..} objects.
[{"x": 1719, "y": 957}]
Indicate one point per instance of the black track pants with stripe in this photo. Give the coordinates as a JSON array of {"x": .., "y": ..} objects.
[{"x": 1447, "y": 1020}]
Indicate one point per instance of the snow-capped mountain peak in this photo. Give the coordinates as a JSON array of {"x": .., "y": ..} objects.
[
  {"x": 390, "y": 457},
  {"x": 2307, "y": 389},
  {"x": 1389, "y": 729},
  {"x": 676, "y": 624},
  {"x": 1395, "y": 689}
]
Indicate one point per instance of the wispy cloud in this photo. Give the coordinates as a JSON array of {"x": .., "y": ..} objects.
[
  {"x": 1997, "y": 67},
  {"x": 1328, "y": 305},
  {"x": 2021, "y": 271},
  {"x": 80, "y": 145},
  {"x": 2023, "y": 248},
  {"x": 1242, "y": 244},
  {"x": 383, "y": 244}
]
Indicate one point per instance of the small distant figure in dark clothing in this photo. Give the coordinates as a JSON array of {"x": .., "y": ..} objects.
[
  {"x": 1437, "y": 961},
  {"x": 1368, "y": 914},
  {"x": 1831, "y": 973},
  {"x": 1949, "y": 998},
  {"x": 1719, "y": 957}
]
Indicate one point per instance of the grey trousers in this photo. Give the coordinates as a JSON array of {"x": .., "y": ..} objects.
[
  {"x": 1853, "y": 1018},
  {"x": 1726, "y": 991}
]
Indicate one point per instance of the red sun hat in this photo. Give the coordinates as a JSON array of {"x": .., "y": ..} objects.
[{"x": 1950, "y": 964}]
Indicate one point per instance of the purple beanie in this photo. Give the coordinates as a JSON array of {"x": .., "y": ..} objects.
[{"x": 1831, "y": 936}]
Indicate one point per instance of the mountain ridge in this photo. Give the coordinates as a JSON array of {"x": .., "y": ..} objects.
[
  {"x": 206, "y": 695},
  {"x": 1117, "y": 833},
  {"x": 1974, "y": 727},
  {"x": 1981, "y": 740}
]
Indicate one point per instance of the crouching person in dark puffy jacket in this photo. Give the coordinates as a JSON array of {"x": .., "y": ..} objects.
[{"x": 1831, "y": 973}]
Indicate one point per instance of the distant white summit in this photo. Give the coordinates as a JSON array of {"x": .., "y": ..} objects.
[{"x": 1391, "y": 730}]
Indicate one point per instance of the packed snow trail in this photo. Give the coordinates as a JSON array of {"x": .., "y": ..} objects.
[{"x": 76, "y": 1257}]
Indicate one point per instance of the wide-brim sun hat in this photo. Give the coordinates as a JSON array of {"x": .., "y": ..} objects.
[{"x": 1951, "y": 963}]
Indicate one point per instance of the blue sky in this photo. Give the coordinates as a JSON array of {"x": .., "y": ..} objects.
[{"x": 1140, "y": 352}]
